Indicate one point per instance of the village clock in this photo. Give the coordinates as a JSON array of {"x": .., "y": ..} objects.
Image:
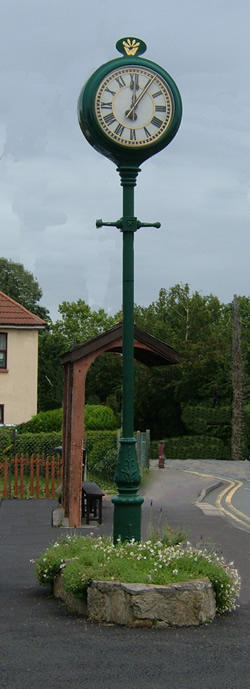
[{"x": 130, "y": 108}]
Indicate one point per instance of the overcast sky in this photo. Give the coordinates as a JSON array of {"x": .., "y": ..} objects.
[{"x": 54, "y": 185}]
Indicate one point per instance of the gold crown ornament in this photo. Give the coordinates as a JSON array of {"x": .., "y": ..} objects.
[{"x": 131, "y": 46}]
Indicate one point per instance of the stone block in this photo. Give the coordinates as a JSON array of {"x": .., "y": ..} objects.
[
  {"x": 181, "y": 604},
  {"x": 139, "y": 605}
]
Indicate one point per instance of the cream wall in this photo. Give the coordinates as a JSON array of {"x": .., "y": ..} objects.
[{"x": 18, "y": 386}]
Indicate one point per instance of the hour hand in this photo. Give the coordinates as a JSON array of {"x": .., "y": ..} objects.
[
  {"x": 134, "y": 85},
  {"x": 131, "y": 113},
  {"x": 134, "y": 82}
]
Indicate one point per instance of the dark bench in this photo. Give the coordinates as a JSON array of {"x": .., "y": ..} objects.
[{"x": 92, "y": 496}]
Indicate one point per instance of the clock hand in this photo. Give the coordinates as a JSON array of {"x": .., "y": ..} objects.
[
  {"x": 133, "y": 86},
  {"x": 133, "y": 100},
  {"x": 134, "y": 105}
]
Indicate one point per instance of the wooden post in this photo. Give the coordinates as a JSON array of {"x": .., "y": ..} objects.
[{"x": 76, "y": 450}]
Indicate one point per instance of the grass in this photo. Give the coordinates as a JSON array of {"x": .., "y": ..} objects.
[{"x": 155, "y": 561}]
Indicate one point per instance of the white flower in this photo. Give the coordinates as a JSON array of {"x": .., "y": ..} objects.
[{"x": 175, "y": 571}]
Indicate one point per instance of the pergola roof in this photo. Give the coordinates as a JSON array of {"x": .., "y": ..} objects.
[{"x": 147, "y": 349}]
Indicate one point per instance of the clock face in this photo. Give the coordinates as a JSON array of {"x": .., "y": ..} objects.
[{"x": 134, "y": 106}]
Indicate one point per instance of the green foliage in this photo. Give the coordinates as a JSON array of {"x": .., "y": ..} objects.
[
  {"x": 44, "y": 422},
  {"x": 19, "y": 284},
  {"x": 199, "y": 328},
  {"x": 104, "y": 383},
  {"x": 50, "y": 372},
  {"x": 37, "y": 443},
  {"x": 196, "y": 447},
  {"x": 151, "y": 562},
  {"x": 103, "y": 465},
  {"x": 96, "y": 418},
  {"x": 198, "y": 418},
  {"x": 107, "y": 439},
  {"x": 246, "y": 431},
  {"x": 6, "y": 436},
  {"x": 79, "y": 323},
  {"x": 102, "y": 454},
  {"x": 193, "y": 447},
  {"x": 99, "y": 417}
]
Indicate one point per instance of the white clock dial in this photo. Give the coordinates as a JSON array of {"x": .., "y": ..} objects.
[{"x": 134, "y": 106}]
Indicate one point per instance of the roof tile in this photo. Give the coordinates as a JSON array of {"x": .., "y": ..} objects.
[{"x": 12, "y": 313}]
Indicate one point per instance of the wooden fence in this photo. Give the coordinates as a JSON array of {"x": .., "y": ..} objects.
[{"x": 35, "y": 477}]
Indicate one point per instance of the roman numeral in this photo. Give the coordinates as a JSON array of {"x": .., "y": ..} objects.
[
  {"x": 119, "y": 130},
  {"x": 107, "y": 106},
  {"x": 156, "y": 122},
  {"x": 109, "y": 91},
  {"x": 109, "y": 119},
  {"x": 132, "y": 135},
  {"x": 120, "y": 81},
  {"x": 160, "y": 108},
  {"x": 147, "y": 133},
  {"x": 156, "y": 94}
]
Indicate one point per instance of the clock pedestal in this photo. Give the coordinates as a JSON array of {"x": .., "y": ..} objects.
[{"x": 127, "y": 504}]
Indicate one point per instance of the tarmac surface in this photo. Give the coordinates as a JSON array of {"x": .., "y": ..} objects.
[{"x": 42, "y": 646}]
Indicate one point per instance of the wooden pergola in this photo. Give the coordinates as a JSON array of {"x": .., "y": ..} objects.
[{"x": 76, "y": 362}]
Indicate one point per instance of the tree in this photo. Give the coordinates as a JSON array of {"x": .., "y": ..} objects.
[
  {"x": 237, "y": 376},
  {"x": 198, "y": 327},
  {"x": 50, "y": 372},
  {"x": 79, "y": 323},
  {"x": 19, "y": 284}
]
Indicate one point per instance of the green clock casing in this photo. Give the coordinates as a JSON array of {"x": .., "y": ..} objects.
[{"x": 129, "y": 109}]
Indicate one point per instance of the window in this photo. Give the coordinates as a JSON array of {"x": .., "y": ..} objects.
[
  {"x": 3, "y": 350},
  {"x": 1, "y": 413}
]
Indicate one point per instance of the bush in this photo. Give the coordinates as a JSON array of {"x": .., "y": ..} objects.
[
  {"x": 44, "y": 422},
  {"x": 196, "y": 447},
  {"x": 6, "y": 437},
  {"x": 103, "y": 466},
  {"x": 97, "y": 417},
  {"x": 193, "y": 447},
  {"x": 37, "y": 443},
  {"x": 102, "y": 455},
  {"x": 197, "y": 418},
  {"x": 246, "y": 432}
]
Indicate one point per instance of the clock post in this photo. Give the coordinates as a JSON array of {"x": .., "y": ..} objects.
[{"x": 129, "y": 110}]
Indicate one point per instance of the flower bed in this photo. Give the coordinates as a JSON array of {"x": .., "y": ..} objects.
[{"x": 153, "y": 563}]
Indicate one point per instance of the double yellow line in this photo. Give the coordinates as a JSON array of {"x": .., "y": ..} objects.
[{"x": 227, "y": 494}]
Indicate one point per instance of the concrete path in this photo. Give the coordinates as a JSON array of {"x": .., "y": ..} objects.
[{"x": 44, "y": 647}]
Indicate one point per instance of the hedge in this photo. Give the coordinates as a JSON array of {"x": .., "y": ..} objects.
[
  {"x": 193, "y": 447},
  {"x": 97, "y": 417},
  {"x": 198, "y": 418},
  {"x": 45, "y": 443},
  {"x": 6, "y": 436},
  {"x": 37, "y": 443}
]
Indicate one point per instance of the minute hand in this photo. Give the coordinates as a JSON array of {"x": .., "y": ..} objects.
[{"x": 129, "y": 112}]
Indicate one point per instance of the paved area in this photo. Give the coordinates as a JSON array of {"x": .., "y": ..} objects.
[
  {"x": 229, "y": 496},
  {"x": 43, "y": 646}
]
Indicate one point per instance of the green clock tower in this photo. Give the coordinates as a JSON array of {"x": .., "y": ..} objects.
[{"x": 128, "y": 110}]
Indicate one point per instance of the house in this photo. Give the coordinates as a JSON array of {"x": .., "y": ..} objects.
[{"x": 18, "y": 361}]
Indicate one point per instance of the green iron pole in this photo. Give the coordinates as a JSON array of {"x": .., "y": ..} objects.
[
  {"x": 127, "y": 504},
  {"x": 128, "y": 311}
]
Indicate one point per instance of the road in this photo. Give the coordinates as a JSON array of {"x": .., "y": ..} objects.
[{"x": 44, "y": 647}]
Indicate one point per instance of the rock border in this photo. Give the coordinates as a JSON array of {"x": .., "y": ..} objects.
[{"x": 183, "y": 604}]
